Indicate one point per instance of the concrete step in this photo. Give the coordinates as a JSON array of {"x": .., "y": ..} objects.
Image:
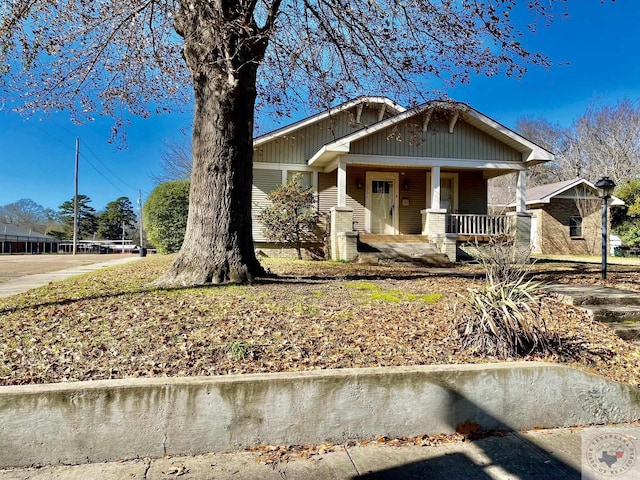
[
  {"x": 400, "y": 248},
  {"x": 581, "y": 295},
  {"x": 374, "y": 238},
  {"x": 627, "y": 331},
  {"x": 614, "y": 313},
  {"x": 433, "y": 259}
]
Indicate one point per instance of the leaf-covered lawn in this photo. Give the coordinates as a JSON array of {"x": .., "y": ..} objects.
[{"x": 315, "y": 315}]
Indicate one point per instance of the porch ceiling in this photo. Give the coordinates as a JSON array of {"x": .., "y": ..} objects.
[{"x": 425, "y": 162}]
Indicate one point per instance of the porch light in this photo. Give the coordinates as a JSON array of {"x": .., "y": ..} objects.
[
  {"x": 606, "y": 186},
  {"x": 406, "y": 185},
  {"x": 359, "y": 183}
]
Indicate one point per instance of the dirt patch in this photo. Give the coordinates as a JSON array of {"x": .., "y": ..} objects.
[{"x": 15, "y": 266}]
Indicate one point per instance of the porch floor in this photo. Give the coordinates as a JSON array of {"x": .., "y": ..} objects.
[{"x": 400, "y": 248}]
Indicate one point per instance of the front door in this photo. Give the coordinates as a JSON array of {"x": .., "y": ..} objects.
[{"x": 381, "y": 199}]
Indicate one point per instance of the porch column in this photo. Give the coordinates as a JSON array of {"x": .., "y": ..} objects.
[
  {"x": 344, "y": 241},
  {"x": 342, "y": 184},
  {"x": 520, "y": 230},
  {"x": 521, "y": 192},
  {"x": 435, "y": 188}
]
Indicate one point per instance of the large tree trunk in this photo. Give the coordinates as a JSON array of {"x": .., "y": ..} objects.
[{"x": 218, "y": 243}]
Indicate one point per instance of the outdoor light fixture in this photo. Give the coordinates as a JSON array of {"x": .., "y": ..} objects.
[
  {"x": 606, "y": 186},
  {"x": 406, "y": 185},
  {"x": 359, "y": 183}
]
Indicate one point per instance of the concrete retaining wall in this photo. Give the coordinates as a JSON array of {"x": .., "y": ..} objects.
[{"x": 121, "y": 419}]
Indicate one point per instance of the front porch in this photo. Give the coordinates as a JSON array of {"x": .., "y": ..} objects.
[
  {"x": 437, "y": 250},
  {"x": 388, "y": 202}
]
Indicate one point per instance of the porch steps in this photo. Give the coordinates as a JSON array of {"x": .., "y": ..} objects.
[
  {"x": 399, "y": 248},
  {"x": 373, "y": 238},
  {"x": 619, "y": 309}
]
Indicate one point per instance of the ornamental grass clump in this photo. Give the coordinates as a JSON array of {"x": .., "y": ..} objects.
[{"x": 505, "y": 318}]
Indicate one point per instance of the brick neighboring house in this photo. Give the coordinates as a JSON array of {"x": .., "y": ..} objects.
[{"x": 566, "y": 217}]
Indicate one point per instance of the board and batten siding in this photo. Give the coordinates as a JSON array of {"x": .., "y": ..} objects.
[
  {"x": 472, "y": 193},
  {"x": 299, "y": 146},
  {"x": 407, "y": 139}
]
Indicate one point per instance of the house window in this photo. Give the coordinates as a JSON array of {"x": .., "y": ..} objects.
[
  {"x": 305, "y": 178},
  {"x": 575, "y": 227}
]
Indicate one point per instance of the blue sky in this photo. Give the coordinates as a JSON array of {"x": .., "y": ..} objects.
[{"x": 601, "y": 43}]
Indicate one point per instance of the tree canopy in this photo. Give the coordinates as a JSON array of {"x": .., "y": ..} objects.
[
  {"x": 604, "y": 140},
  {"x": 117, "y": 215},
  {"x": 138, "y": 56},
  {"x": 28, "y": 214},
  {"x": 90, "y": 56},
  {"x": 87, "y": 221}
]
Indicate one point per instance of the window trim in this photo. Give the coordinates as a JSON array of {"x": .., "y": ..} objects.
[{"x": 575, "y": 226}]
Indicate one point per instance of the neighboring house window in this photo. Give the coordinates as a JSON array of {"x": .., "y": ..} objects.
[
  {"x": 575, "y": 227},
  {"x": 305, "y": 177}
]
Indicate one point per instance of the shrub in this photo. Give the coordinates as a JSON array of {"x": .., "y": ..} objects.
[
  {"x": 165, "y": 215},
  {"x": 505, "y": 319},
  {"x": 291, "y": 219}
]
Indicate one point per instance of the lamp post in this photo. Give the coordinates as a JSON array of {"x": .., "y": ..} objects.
[{"x": 606, "y": 186}]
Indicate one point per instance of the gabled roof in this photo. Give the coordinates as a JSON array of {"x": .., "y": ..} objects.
[
  {"x": 391, "y": 106},
  {"x": 7, "y": 229},
  {"x": 544, "y": 193},
  {"x": 531, "y": 153}
]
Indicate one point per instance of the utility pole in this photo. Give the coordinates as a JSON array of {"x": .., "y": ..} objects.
[
  {"x": 140, "y": 208},
  {"x": 75, "y": 200}
]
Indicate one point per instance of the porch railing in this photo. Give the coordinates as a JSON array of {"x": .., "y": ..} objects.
[{"x": 470, "y": 224}]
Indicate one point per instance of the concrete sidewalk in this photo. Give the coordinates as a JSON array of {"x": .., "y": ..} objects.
[
  {"x": 23, "y": 284},
  {"x": 539, "y": 454}
]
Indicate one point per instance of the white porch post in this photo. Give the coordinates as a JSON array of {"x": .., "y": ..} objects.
[
  {"x": 435, "y": 187},
  {"x": 342, "y": 184},
  {"x": 521, "y": 192}
]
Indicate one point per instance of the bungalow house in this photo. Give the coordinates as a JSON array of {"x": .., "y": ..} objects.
[
  {"x": 566, "y": 217},
  {"x": 381, "y": 169}
]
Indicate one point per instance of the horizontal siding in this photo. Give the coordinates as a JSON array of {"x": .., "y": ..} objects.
[
  {"x": 472, "y": 195},
  {"x": 264, "y": 182},
  {"x": 410, "y": 221},
  {"x": 416, "y": 195},
  {"x": 298, "y": 147},
  {"x": 408, "y": 139},
  {"x": 328, "y": 195}
]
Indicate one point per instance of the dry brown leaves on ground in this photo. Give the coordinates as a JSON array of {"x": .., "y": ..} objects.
[
  {"x": 274, "y": 454},
  {"x": 315, "y": 315}
]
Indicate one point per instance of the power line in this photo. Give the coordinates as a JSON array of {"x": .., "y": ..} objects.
[
  {"x": 106, "y": 167},
  {"x": 84, "y": 157}
]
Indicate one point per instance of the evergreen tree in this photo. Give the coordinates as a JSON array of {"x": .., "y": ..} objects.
[
  {"x": 87, "y": 220},
  {"x": 117, "y": 213}
]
